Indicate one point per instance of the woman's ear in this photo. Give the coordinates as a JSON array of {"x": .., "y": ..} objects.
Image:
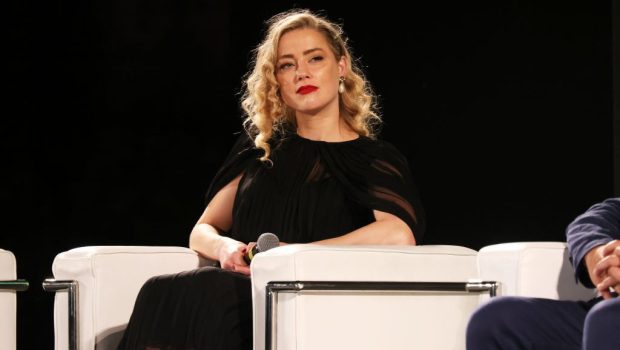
[{"x": 342, "y": 66}]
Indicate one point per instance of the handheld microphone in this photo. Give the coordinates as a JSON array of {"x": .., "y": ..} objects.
[{"x": 264, "y": 242}]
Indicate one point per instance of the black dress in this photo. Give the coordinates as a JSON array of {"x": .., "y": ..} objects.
[{"x": 313, "y": 190}]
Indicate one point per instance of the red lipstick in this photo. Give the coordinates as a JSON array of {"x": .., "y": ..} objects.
[{"x": 306, "y": 89}]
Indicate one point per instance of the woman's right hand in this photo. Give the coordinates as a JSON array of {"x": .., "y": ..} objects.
[{"x": 231, "y": 258}]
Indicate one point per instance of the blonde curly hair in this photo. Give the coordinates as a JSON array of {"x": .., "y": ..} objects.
[{"x": 265, "y": 111}]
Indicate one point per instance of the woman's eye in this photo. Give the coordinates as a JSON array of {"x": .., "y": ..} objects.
[
  {"x": 285, "y": 66},
  {"x": 317, "y": 58}
]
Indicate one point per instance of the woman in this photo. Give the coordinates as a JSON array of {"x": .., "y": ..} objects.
[{"x": 308, "y": 168}]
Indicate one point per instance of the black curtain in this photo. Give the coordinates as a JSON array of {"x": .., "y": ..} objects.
[{"x": 119, "y": 113}]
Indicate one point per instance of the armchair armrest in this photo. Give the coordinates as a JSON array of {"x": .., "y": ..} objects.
[
  {"x": 532, "y": 269},
  {"x": 107, "y": 279},
  {"x": 372, "y": 319}
]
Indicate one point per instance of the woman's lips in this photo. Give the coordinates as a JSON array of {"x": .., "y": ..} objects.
[{"x": 306, "y": 89}]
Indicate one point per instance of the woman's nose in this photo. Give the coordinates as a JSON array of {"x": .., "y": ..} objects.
[{"x": 301, "y": 73}]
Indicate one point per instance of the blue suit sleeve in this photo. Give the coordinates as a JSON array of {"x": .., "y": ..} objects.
[{"x": 599, "y": 225}]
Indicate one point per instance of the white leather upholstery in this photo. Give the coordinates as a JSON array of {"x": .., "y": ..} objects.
[
  {"x": 532, "y": 269},
  {"x": 109, "y": 279},
  {"x": 377, "y": 320},
  {"x": 8, "y": 308}
]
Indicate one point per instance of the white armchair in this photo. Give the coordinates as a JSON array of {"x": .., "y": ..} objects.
[
  {"x": 318, "y": 297},
  {"x": 9, "y": 285},
  {"x": 374, "y": 297}
]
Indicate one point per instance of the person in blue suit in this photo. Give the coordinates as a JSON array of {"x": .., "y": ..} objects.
[{"x": 533, "y": 323}]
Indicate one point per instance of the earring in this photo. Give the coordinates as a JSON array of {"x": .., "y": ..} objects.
[{"x": 341, "y": 86}]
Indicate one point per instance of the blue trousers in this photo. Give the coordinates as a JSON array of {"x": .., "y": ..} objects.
[{"x": 510, "y": 323}]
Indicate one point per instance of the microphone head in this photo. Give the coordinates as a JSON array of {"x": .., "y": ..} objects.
[{"x": 267, "y": 241}]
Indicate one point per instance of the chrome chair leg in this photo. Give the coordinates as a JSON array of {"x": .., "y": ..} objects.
[{"x": 53, "y": 285}]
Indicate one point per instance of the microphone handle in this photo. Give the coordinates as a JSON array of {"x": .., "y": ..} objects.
[{"x": 249, "y": 255}]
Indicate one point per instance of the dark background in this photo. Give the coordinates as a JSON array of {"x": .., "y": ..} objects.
[{"x": 118, "y": 113}]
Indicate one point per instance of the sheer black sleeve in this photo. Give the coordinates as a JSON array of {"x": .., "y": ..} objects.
[
  {"x": 391, "y": 189},
  {"x": 242, "y": 154}
]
